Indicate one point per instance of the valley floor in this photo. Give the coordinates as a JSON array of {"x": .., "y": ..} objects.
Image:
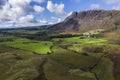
[{"x": 71, "y": 58}]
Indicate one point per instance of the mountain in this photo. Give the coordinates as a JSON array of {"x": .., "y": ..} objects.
[{"x": 79, "y": 22}]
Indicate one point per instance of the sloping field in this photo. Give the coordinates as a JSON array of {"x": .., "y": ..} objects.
[{"x": 41, "y": 47}]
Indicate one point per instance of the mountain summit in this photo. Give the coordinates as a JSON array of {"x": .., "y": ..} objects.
[{"x": 83, "y": 21}]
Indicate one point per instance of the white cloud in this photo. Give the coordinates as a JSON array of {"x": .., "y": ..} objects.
[
  {"x": 114, "y": 3},
  {"x": 23, "y": 4},
  {"x": 5, "y": 24},
  {"x": 55, "y": 20},
  {"x": 19, "y": 12},
  {"x": 39, "y": 1},
  {"x": 43, "y": 22},
  {"x": 56, "y": 8},
  {"x": 7, "y": 13},
  {"x": 70, "y": 13},
  {"x": 27, "y": 19},
  {"x": 2, "y": 2},
  {"x": 14, "y": 9},
  {"x": 94, "y": 6},
  {"x": 18, "y": 8},
  {"x": 38, "y": 9},
  {"x": 16, "y": 25}
]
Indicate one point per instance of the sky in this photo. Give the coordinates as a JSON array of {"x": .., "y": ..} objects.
[{"x": 22, "y": 13}]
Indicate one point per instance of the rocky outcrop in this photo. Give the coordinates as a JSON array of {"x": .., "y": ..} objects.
[{"x": 83, "y": 21}]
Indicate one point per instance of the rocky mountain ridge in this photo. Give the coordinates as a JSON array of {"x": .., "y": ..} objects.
[{"x": 83, "y": 21}]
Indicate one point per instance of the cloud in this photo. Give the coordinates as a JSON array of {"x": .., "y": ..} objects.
[
  {"x": 70, "y": 13},
  {"x": 22, "y": 13},
  {"x": 94, "y": 6},
  {"x": 55, "y": 20},
  {"x": 114, "y": 3},
  {"x": 27, "y": 19},
  {"x": 15, "y": 3},
  {"x": 6, "y": 13},
  {"x": 56, "y": 8},
  {"x": 18, "y": 11},
  {"x": 39, "y": 1},
  {"x": 10, "y": 24},
  {"x": 43, "y": 22},
  {"x": 2, "y": 2},
  {"x": 23, "y": 4},
  {"x": 38, "y": 9}
]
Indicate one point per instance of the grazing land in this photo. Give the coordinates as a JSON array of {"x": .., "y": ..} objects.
[
  {"x": 69, "y": 58},
  {"x": 85, "y": 46},
  {"x": 40, "y": 47}
]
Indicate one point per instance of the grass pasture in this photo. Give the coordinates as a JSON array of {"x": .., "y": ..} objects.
[
  {"x": 67, "y": 65},
  {"x": 41, "y": 47},
  {"x": 82, "y": 40},
  {"x": 78, "y": 43},
  {"x": 68, "y": 61},
  {"x": 19, "y": 64},
  {"x": 105, "y": 66}
]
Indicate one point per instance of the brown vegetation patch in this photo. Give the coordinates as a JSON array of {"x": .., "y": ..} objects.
[
  {"x": 96, "y": 49},
  {"x": 115, "y": 57}
]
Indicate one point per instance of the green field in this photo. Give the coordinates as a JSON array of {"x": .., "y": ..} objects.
[
  {"x": 81, "y": 45},
  {"x": 75, "y": 66},
  {"x": 70, "y": 59},
  {"x": 82, "y": 40},
  {"x": 41, "y": 47}
]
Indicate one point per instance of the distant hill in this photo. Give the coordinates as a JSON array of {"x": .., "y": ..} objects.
[
  {"x": 79, "y": 22},
  {"x": 28, "y": 28}
]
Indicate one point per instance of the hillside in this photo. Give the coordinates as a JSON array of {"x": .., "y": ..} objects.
[
  {"x": 36, "y": 53},
  {"x": 84, "y": 21}
]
